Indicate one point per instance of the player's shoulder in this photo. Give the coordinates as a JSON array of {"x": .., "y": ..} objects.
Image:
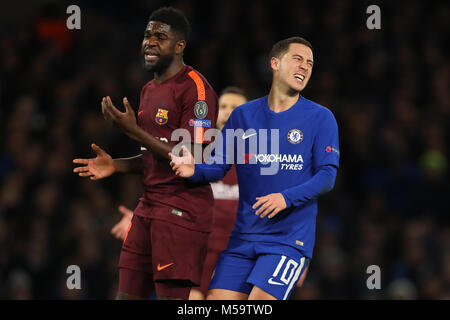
[
  {"x": 316, "y": 108},
  {"x": 192, "y": 78}
]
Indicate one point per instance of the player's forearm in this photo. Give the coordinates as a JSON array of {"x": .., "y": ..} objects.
[
  {"x": 152, "y": 144},
  {"x": 128, "y": 165},
  {"x": 209, "y": 172},
  {"x": 161, "y": 149},
  {"x": 321, "y": 183},
  {"x": 213, "y": 169}
]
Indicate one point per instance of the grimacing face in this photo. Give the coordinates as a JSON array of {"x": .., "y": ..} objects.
[
  {"x": 294, "y": 67},
  {"x": 227, "y": 103},
  {"x": 158, "y": 46}
]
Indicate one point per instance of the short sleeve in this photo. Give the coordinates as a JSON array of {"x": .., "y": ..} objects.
[
  {"x": 326, "y": 143},
  {"x": 199, "y": 107}
]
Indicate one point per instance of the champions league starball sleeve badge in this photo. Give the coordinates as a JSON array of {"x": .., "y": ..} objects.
[{"x": 201, "y": 109}]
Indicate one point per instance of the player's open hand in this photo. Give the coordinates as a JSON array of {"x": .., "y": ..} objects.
[
  {"x": 121, "y": 228},
  {"x": 126, "y": 121},
  {"x": 183, "y": 166},
  {"x": 96, "y": 168},
  {"x": 269, "y": 205}
]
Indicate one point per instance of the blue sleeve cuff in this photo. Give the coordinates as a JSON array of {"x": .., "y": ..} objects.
[
  {"x": 286, "y": 199},
  {"x": 321, "y": 183},
  {"x": 198, "y": 176}
]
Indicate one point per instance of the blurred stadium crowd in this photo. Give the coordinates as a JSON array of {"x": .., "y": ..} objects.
[{"x": 388, "y": 88}]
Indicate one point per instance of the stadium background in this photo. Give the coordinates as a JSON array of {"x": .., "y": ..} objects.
[{"x": 388, "y": 88}]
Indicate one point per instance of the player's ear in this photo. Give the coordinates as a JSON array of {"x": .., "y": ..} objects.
[
  {"x": 179, "y": 46},
  {"x": 274, "y": 63}
]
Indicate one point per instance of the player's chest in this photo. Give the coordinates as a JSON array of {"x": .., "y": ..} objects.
[
  {"x": 283, "y": 137},
  {"x": 159, "y": 111}
]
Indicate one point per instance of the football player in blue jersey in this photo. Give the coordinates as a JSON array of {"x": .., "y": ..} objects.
[{"x": 280, "y": 177}]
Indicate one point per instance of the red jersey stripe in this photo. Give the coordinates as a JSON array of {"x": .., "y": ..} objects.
[
  {"x": 198, "y": 135},
  {"x": 200, "y": 85}
]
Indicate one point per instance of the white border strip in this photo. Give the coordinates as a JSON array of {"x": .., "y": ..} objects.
[{"x": 295, "y": 279}]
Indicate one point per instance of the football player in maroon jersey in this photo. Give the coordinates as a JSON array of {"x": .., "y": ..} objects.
[{"x": 166, "y": 242}]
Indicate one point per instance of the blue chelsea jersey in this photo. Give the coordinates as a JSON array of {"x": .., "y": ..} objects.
[{"x": 273, "y": 153}]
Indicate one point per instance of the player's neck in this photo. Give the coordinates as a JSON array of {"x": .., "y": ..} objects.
[
  {"x": 171, "y": 70},
  {"x": 281, "y": 100}
]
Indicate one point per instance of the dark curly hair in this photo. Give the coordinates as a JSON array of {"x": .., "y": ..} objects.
[{"x": 175, "y": 19}]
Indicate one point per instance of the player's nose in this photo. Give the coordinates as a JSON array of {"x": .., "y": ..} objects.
[
  {"x": 153, "y": 41},
  {"x": 302, "y": 67}
]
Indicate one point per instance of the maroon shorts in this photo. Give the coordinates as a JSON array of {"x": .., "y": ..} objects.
[{"x": 164, "y": 253}]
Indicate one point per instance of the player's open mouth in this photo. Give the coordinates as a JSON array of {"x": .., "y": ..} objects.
[
  {"x": 299, "y": 77},
  {"x": 150, "y": 57}
]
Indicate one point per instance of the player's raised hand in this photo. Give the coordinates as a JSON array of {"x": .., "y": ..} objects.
[
  {"x": 96, "y": 168},
  {"x": 270, "y": 205},
  {"x": 183, "y": 166},
  {"x": 121, "y": 228},
  {"x": 126, "y": 121}
]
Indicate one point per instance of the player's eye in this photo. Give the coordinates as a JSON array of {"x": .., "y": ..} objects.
[{"x": 161, "y": 37}]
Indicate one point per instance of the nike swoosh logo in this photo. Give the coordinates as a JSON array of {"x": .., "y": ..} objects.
[
  {"x": 250, "y": 135},
  {"x": 160, "y": 267},
  {"x": 275, "y": 282}
]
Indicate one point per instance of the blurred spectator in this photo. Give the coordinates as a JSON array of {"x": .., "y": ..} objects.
[{"x": 402, "y": 289}]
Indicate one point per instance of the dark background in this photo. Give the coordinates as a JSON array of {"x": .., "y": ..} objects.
[{"x": 388, "y": 88}]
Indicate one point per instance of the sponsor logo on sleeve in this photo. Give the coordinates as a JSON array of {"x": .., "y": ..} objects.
[
  {"x": 199, "y": 123},
  {"x": 329, "y": 149}
]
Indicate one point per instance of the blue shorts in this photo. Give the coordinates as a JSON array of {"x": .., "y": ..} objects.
[{"x": 272, "y": 267}]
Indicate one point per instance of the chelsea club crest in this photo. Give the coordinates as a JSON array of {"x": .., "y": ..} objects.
[{"x": 295, "y": 136}]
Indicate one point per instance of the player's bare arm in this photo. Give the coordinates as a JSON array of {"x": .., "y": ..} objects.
[
  {"x": 270, "y": 204},
  {"x": 103, "y": 165},
  {"x": 126, "y": 121},
  {"x": 100, "y": 167},
  {"x": 129, "y": 165}
]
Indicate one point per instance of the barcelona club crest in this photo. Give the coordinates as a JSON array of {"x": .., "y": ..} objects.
[
  {"x": 162, "y": 116},
  {"x": 295, "y": 136}
]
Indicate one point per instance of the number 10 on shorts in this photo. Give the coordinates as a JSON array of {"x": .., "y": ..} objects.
[{"x": 290, "y": 270}]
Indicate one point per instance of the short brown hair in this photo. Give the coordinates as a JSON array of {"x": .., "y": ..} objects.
[
  {"x": 234, "y": 90},
  {"x": 282, "y": 46}
]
